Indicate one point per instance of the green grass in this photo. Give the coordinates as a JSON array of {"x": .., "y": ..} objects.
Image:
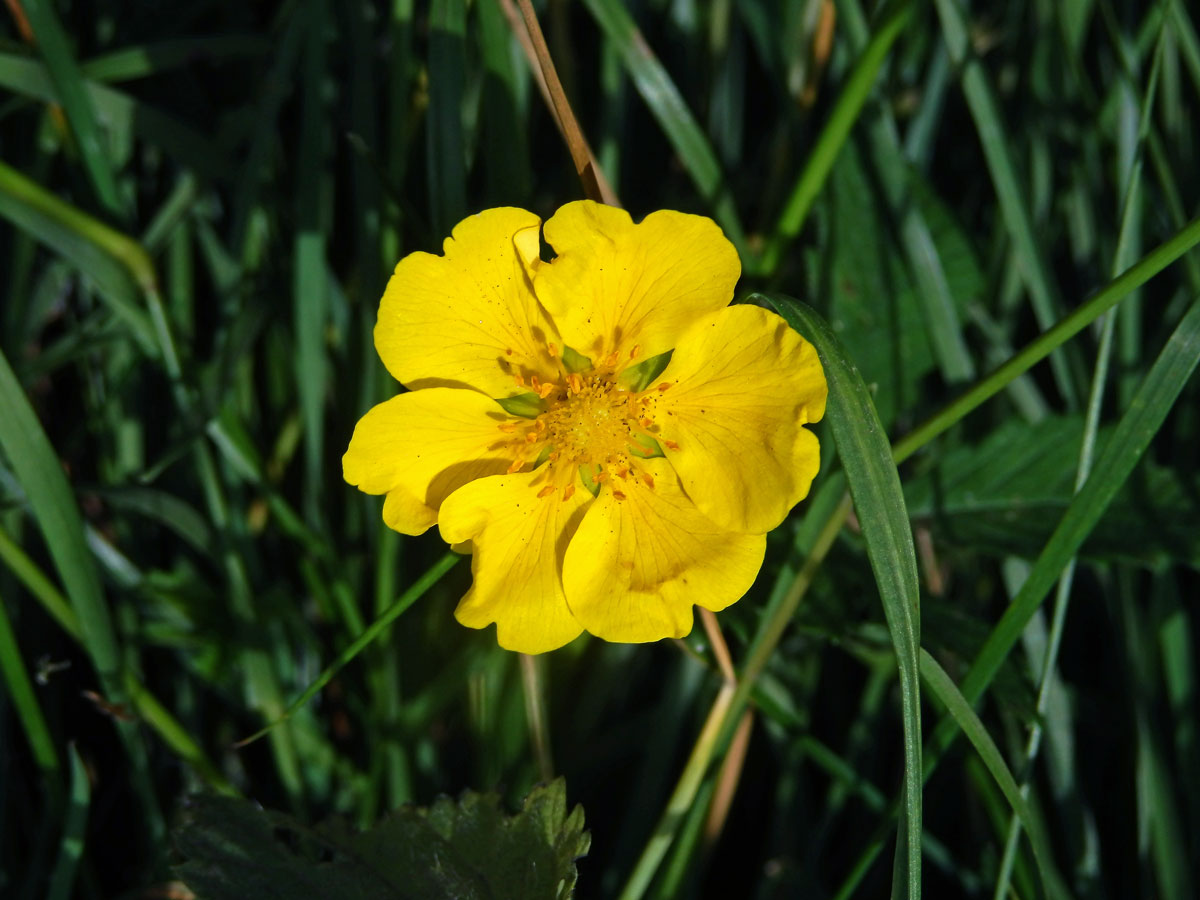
[{"x": 990, "y": 215}]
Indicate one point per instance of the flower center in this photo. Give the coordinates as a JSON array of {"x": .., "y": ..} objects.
[
  {"x": 591, "y": 431},
  {"x": 591, "y": 420}
]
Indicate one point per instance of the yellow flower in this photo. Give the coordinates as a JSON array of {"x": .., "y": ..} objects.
[{"x": 596, "y": 489}]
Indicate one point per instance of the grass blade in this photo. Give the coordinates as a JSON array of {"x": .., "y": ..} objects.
[
  {"x": 77, "y": 104},
  {"x": 676, "y": 120},
  {"x": 1041, "y": 347},
  {"x": 447, "y": 160},
  {"x": 24, "y": 701},
  {"x": 833, "y": 136},
  {"x": 70, "y": 850},
  {"x": 1047, "y": 304},
  {"x": 373, "y": 631},
  {"x": 879, "y": 501},
  {"x": 1149, "y": 407},
  {"x": 959, "y": 709}
]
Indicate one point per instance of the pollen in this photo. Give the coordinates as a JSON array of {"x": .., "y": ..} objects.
[
  {"x": 671, "y": 445},
  {"x": 619, "y": 495},
  {"x": 519, "y": 379},
  {"x": 664, "y": 385},
  {"x": 516, "y": 466},
  {"x": 649, "y": 479},
  {"x": 546, "y": 491},
  {"x": 568, "y": 492}
]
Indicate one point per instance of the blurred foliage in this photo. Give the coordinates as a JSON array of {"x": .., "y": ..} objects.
[{"x": 201, "y": 206}]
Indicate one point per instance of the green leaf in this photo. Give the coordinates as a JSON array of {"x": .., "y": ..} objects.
[
  {"x": 873, "y": 305},
  {"x": 1005, "y": 495},
  {"x": 455, "y": 850},
  {"x": 874, "y": 484},
  {"x": 1149, "y": 407}
]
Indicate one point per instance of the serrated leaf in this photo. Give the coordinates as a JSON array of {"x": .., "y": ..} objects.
[{"x": 465, "y": 849}]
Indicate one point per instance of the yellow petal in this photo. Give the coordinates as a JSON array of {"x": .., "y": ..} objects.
[
  {"x": 636, "y": 565},
  {"x": 615, "y": 286},
  {"x": 468, "y": 318},
  {"x": 519, "y": 539},
  {"x": 418, "y": 448},
  {"x": 742, "y": 385}
]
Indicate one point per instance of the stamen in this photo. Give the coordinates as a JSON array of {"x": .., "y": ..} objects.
[
  {"x": 531, "y": 436},
  {"x": 618, "y": 495},
  {"x": 600, "y": 476},
  {"x": 553, "y": 348},
  {"x": 508, "y": 427},
  {"x": 637, "y": 349},
  {"x": 553, "y": 455},
  {"x": 610, "y": 360},
  {"x": 535, "y": 383},
  {"x": 671, "y": 445},
  {"x": 645, "y": 423},
  {"x": 568, "y": 492},
  {"x": 575, "y": 382},
  {"x": 664, "y": 385},
  {"x": 516, "y": 466},
  {"x": 546, "y": 491},
  {"x": 546, "y": 390},
  {"x": 519, "y": 379},
  {"x": 649, "y": 479},
  {"x": 539, "y": 424},
  {"x": 623, "y": 473}
]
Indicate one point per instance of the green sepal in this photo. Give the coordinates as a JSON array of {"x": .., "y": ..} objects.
[
  {"x": 574, "y": 361},
  {"x": 587, "y": 476},
  {"x": 527, "y": 405},
  {"x": 543, "y": 455},
  {"x": 638, "y": 377},
  {"x": 646, "y": 447}
]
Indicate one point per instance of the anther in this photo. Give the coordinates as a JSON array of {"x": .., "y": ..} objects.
[
  {"x": 553, "y": 455},
  {"x": 649, "y": 479},
  {"x": 664, "y": 385},
  {"x": 546, "y": 491},
  {"x": 600, "y": 476},
  {"x": 531, "y": 436},
  {"x": 611, "y": 360},
  {"x": 535, "y": 382},
  {"x": 637, "y": 349},
  {"x": 671, "y": 445},
  {"x": 646, "y": 423},
  {"x": 546, "y": 390},
  {"x": 553, "y": 348},
  {"x": 568, "y": 491},
  {"x": 519, "y": 379},
  {"x": 618, "y": 495},
  {"x": 508, "y": 427},
  {"x": 516, "y": 466},
  {"x": 539, "y": 425},
  {"x": 575, "y": 382}
]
